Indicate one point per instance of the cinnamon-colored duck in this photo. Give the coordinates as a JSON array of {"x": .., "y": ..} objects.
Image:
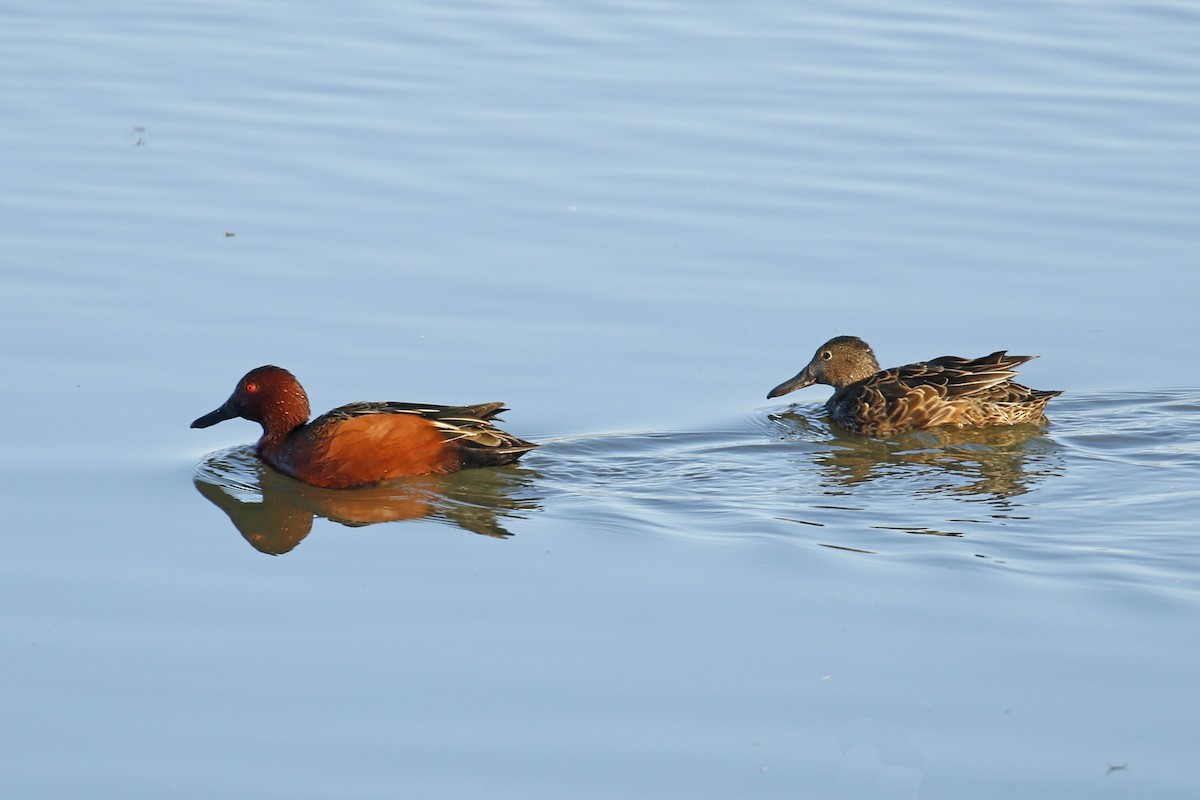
[
  {"x": 945, "y": 391},
  {"x": 363, "y": 443}
]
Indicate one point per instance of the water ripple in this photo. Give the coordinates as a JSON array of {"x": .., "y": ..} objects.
[{"x": 1109, "y": 486}]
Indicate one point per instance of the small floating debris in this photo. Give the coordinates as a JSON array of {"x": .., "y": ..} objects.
[{"x": 847, "y": 549}]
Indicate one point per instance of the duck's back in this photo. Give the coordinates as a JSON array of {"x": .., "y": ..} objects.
[
  {"x": 364, "y": 443},
  {"x": 950, "y": 390}
]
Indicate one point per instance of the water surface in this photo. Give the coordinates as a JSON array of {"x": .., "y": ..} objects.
[{"x": 627, "y": 221}]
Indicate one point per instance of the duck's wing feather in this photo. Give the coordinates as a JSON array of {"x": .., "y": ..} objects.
[
  {"x": 929, "y": 393},
  {"x": 471, "y": 426},
  {"x": 949, "y": 376},
  {"x": 481, "y": 412}
]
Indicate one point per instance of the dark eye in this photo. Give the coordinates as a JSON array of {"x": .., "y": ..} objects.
[{"x": 827, "y": 355}]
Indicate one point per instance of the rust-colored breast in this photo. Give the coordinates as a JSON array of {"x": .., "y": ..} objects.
[{"x": 368, "y": 449}]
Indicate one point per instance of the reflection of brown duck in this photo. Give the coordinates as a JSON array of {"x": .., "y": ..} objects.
[
  {"x": 274, "y": 513},
  {"x": 992, "y": 462},
  {"x": 950, "y": 390},
  {"x": 360, "y": 444}
]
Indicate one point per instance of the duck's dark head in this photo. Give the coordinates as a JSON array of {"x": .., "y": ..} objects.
[{"x": 268, "y": 395}]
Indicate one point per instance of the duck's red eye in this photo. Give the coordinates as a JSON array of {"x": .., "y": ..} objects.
[{"x": 251, "y": 387}]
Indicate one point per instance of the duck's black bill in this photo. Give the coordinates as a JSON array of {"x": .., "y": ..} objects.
[
  {"x": 213, "y": 417},
  {"x": 799, "y": 381}
]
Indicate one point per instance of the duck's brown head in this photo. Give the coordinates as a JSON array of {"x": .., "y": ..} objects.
[
  {"x": 841, "y": 361},
  {"x": 268, "y": 395}
]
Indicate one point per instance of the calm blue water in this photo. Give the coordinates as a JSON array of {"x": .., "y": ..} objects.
[{"x": 627, "y": 221}]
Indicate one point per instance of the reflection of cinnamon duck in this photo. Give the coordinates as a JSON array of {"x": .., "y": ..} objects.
[
  {"x": 363, "y": 443},
  {"x": 275, "y": 513},
  {"x": 945, "y": 391}
]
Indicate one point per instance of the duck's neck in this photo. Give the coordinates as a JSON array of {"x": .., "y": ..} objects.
[
  {"x": 281, "y": 423},
  {"x": 272, "y": 446},
  {"x": 860, "y": 370}
]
